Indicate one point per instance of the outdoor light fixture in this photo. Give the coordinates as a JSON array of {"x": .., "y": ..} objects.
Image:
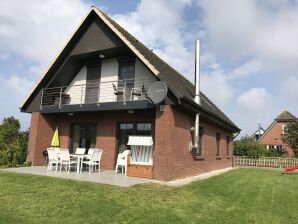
[
  {"x": 192, "y": 128},
  {"x": 130, "y": 111},
  {"x": 102, "y": 56},
  {"x": 70, "y": 114}
]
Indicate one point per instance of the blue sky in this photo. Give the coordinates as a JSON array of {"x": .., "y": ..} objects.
[{"x": 249, "y": 49}]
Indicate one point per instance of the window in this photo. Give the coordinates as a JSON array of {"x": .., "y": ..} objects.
[
  {"x": 83, "y": 135},
  {"x": 200, "y": 150},
  {"x": 279, "y": 147},
  {"x": 131, "y": 128},
  {"x": 218, "y": 143},
  {"x": 126, "y": 74},
  {"x": 92, "y": 80},
  {"x": 228, "y": 145},
  {"x": 283, "y": 127}
]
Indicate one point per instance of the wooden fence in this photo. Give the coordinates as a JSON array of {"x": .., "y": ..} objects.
[{"x": 277, "y": 162}]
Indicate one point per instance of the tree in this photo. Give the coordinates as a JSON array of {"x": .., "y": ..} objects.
[
  {"x": 9, "y": 133},
  {"x": 13, "y": 142},
  {"x": 291, "y": 136},
  {"x": 246, "y": 146}
]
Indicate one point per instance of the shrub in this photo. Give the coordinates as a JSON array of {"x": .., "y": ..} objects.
[
  {"x": 291, "y": 136},
  {"x": 4, "y": 158},
  {"x": 27, "y": 163},
  {"x": 14, "y": 160},
  {"x": 13, "y": 142},
  {"x": 276, "y": 153},
  {"x": 246, "y": 146}
]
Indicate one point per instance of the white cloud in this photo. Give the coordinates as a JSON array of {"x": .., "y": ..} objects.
[
  {"x": 38, "y": 29},
  {"x": 217, "y": 83},
  {"x": 162, "y": 30},
  {"x": 217, "y": 88},
  {"x": 19, "y": 87},
  {"x": 254, "y": 100},
  {"x": 289, "y": 90},
  {"x": 264, "y": 30},
  {"x": 33, "y": 32}
]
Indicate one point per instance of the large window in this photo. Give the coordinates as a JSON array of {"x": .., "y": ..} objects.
[
  {"x": 83, "y": 135},
  {"x": 131, "y": 128},
  {"x": 228, "y": 145},
  {"x": 218, "y": 136}
]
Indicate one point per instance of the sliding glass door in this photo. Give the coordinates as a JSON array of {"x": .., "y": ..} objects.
[
  {"x": 131, "y": 128},
  {"x": 83, "y": 135}
]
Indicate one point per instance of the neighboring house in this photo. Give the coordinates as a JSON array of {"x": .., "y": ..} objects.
[
  {"x": 82, "y": 95},
  {"x": 272, "y": 137},
  {"x": 258, "y": 133}
]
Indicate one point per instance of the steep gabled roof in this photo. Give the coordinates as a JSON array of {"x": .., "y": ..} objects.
[
  {"x": 167, "y": 73},
  {"x": 176, "y": 82},
  {"x": 285, "y": 116},
  {"x": 257, "y": 131}
]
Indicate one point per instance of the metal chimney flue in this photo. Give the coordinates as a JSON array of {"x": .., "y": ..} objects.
[
  {"x": 194, "y": 145},
  {"x": 197, "y": 73},
  {"x": 197, "y": 96}
]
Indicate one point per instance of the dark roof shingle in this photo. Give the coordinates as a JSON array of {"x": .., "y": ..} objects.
[
  {"x": 171, "y": 76},
  {"x": 285, "y": 116}
]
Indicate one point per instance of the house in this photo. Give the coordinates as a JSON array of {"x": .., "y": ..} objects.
[
  {"x": 272, "y": 137},
  {"x": 96, "y": 93},
  {"x": 258, "y": 133}
]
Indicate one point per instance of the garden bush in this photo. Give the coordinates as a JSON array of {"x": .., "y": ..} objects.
[
  {"x": 246, "y": 146},
  {"x": 13, "y": 143}
]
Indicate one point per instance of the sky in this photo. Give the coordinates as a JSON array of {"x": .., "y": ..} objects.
[{"x": 249, "y": 49}]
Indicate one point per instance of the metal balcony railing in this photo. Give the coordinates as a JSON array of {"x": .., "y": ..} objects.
[{"x": 100, "y": 92}]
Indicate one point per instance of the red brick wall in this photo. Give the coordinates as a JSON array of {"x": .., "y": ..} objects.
[
  {"x": 172, "y": 159},
  {"x": 274, "y": 137},
  {"x": 40, "y": 136},
  {"x": 106, "y": 132},
  {"x": 171, "y": 133}
]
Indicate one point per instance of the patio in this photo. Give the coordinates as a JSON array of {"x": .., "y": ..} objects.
[{"x": 105, "y": 177}]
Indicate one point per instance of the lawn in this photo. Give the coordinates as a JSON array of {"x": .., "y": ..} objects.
[{"x": 239, "y": 196}]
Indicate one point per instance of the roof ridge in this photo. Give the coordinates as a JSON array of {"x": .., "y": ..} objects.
[
  {"x": 140, "y": 42},
  {"x": 165, "y": 71}
]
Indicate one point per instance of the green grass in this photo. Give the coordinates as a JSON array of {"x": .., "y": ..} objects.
[{"x": 239, "y": 196}]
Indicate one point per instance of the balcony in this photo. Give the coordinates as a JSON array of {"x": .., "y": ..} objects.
[{"x": 122, "y": 92}]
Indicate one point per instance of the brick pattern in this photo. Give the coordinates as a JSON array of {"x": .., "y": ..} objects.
[
  {"x": 274, "y": 137},
  {"x": 106, "y": 132},
  {"x": 176, "y": 138},
  {"x": 41, "y": 133},
  {"x": 171, "y": 134}
]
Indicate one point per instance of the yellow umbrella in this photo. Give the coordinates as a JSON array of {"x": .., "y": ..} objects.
[{"x": 55, "y": 141}]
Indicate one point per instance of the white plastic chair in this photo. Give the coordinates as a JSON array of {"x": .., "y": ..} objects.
[
  {"x": 122, "y": 161},
  {"x": 94, "y": 160},
  {"x": 65, "y": 159},
  {"x": 57, "y": 150},
  {"x": 80, "y": 151},
  {"x": 53, "y": 159}
]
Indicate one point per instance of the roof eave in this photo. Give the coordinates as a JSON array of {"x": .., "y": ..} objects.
[{"x": 200, "y": 108}]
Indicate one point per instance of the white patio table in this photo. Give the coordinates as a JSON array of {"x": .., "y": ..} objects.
[{"x": 80, "y": 158}]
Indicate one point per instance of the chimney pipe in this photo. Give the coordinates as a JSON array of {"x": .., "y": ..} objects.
[
  {"x": 197, "y": 95},
  {"x": 197, "y": 72}
]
